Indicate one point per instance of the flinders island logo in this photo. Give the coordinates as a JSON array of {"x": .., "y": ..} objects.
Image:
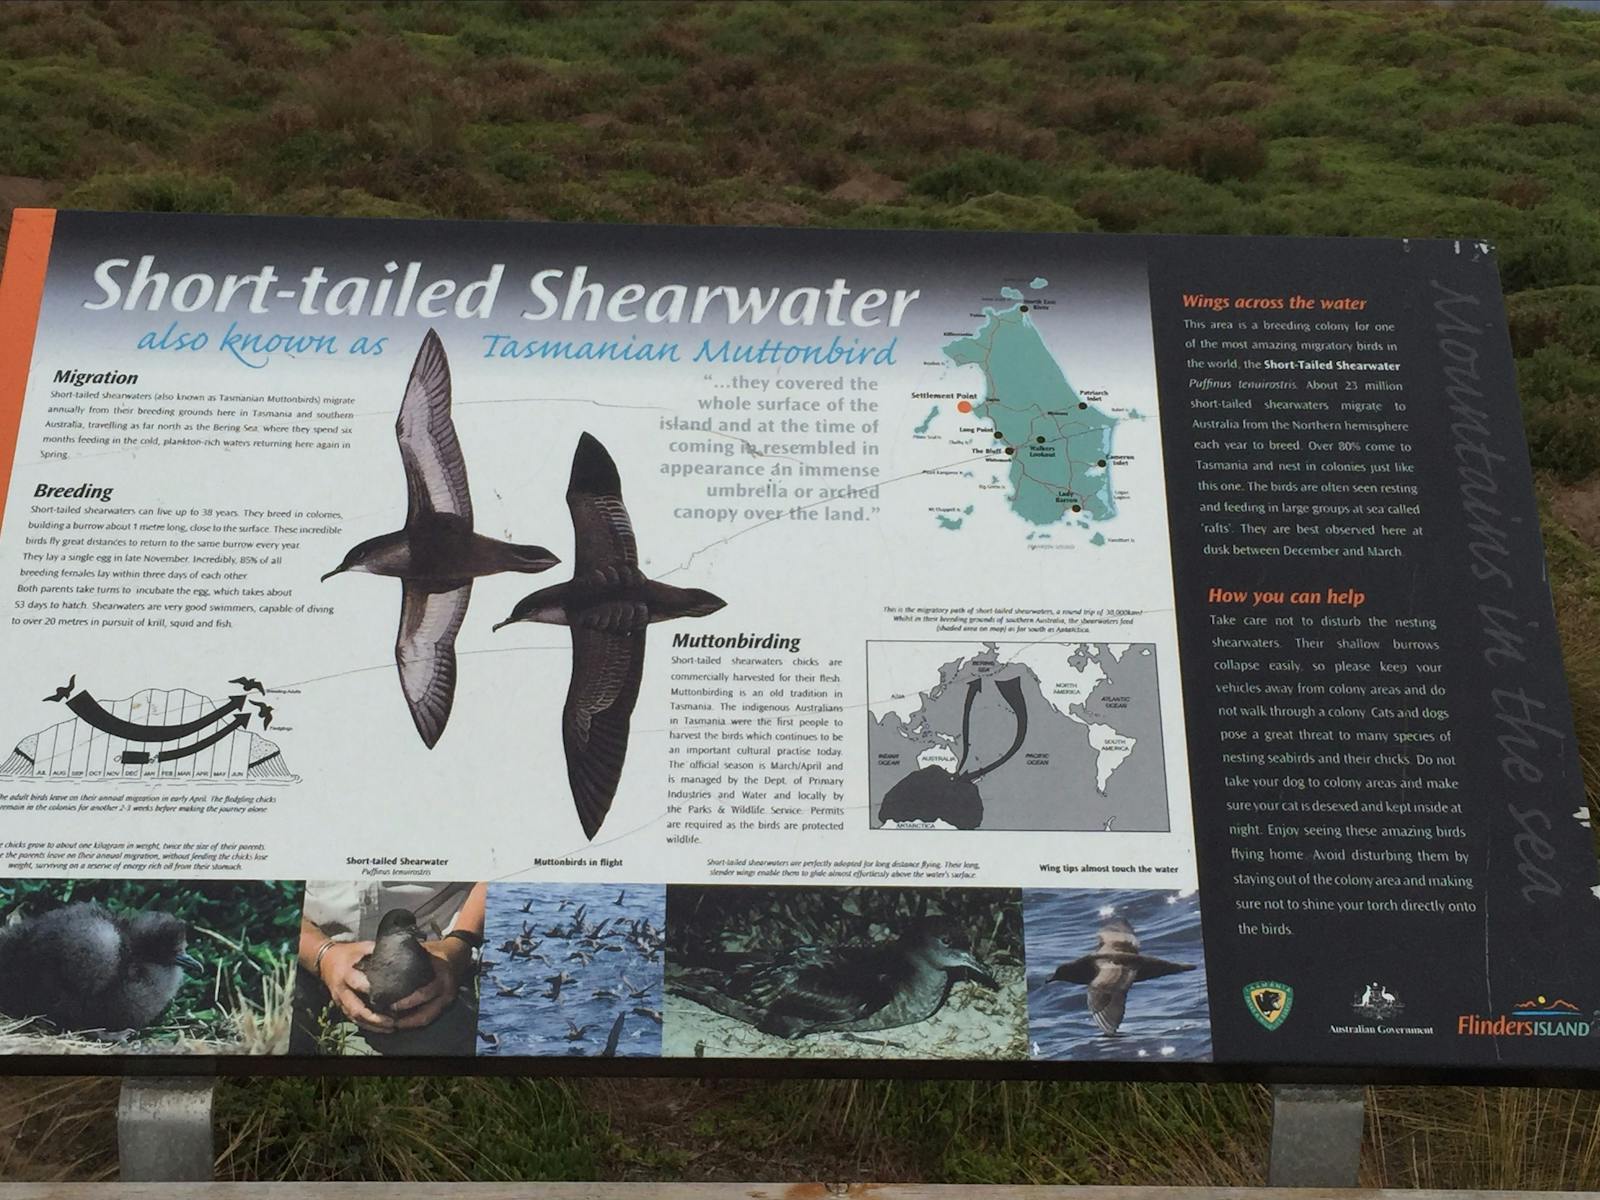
[
  {"x": 1539, "y": 1016},
  {"x": 1269, "y": 1002}
]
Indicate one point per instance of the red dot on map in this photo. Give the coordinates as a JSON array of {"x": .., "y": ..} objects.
[{"x": 965, "y": 406}]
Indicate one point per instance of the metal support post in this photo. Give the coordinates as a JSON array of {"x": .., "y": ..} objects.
[
  {"x": 164, "y": 1130},
  {"x": 1316, "y": 1136}
]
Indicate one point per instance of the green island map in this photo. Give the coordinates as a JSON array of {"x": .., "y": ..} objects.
[{"x": 1057, "y": 442}]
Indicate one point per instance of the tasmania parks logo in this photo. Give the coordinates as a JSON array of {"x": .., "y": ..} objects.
[
  {"x": 1269, "y": 1002},
  {"x": 1539, "y": 1016}
]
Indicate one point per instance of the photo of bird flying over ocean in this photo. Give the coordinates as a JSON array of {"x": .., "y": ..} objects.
[
  {"x": 436, "y": 555},
  {"x": 773, "y": 972},
  {"x": 607, "y": 605},
  {"x": 1116, "y": 975}
]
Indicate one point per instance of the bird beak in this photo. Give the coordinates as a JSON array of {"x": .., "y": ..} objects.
[
  {"x": 975, "y": 971},
  {"x": 190, "y": 963},
  {"x": 502, "y": 624},
  {"x": 331, "y": 574}
]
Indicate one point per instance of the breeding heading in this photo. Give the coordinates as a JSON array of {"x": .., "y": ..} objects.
[{"x": 558, "y": 293}]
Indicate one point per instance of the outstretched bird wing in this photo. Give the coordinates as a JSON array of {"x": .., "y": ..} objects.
[
  {"x": 425, "y": 652},
  {"x": 436, "y": 473},
  {"x": 611, "y": 1038},
  {"x": 1108, "y": 994},
  {"x": 607, "y": 664},
  {"x": 602, "y": 532}
]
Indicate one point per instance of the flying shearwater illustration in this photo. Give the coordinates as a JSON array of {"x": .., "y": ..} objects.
[
  {"x": 608, "y": 605},
  {"x": 437, "y": 555},
  {"x": 1111, "y": 969}
]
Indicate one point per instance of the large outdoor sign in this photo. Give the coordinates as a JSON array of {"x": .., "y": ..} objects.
[{"x": 527, "y": 641}]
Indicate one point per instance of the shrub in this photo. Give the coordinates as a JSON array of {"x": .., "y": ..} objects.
[{"x": 1216, "y": 150}]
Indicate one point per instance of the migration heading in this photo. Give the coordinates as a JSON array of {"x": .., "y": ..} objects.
[{"x": 556, "y": 293}]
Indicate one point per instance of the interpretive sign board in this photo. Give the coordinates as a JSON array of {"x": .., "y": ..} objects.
[{"x": 1031, "y": 654}]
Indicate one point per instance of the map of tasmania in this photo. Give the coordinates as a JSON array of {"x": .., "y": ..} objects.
[
  {"x": 1040, "y": 735},
  {"x": 1058, "y": 443}
]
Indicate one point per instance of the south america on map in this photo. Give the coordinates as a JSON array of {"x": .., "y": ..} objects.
[{"x": 1044, "y": 735}]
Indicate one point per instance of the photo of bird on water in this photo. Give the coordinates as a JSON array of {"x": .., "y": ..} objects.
[
  {"x": 607, "y": 605},
  {"x": 1116, "y": 975},
  {"x": 152, "y": 967},
  {"x": 572, "y": 970},
  {"x": 436, "y": 555},
  {"x": 776, "y": 972}
]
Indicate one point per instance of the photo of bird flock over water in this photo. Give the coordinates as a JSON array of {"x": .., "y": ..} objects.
[
  {"x": 774, "y": 972},
  {"x": 572, "y": 969},
  {"x": 1116, "y": 975},
  {"x": 146, "y": 967}
]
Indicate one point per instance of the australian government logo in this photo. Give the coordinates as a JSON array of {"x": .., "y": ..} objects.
[
  {"x": 1538, "y": 1016},
  {"x": 1379, "y": 1011},
  {"x": 1269, "y": 1002}
]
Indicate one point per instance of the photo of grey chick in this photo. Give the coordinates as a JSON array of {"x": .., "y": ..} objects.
[
  {"x": 83, "y": 967},
  {"x": 398, "y": 965}
]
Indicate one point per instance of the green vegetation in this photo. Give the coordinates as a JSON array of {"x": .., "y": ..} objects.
[{"x": 1423, "y": 119}]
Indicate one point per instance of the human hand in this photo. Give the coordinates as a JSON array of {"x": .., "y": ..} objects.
[
  {"x": 349, "y": 987},
  {"x": 449, "y": 956}
]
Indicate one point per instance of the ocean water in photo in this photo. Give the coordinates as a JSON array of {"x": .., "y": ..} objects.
[
  {"x": 1166, "y": 1019},
  {"x": 595, "y": 933}
]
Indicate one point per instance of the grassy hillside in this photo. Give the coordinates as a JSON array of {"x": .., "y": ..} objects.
[{"x": 1381, "y": 118}]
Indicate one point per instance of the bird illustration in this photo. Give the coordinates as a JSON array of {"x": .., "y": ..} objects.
[
  {"x": 557, "y": 982},
  {"x": 576, "y": 1032},
  {"x": 527, "y": 905},
  {"x": 249, "y": 685},
  {"x": 397, "y": 964},
  {"x": 62, "y": 692},
  {"x": 1111, "y": 969},
  {"x": 812, "y": 989},
  {"x": 611, "y": 1038},
  {"x": 605, "y": 994},
  {"x": 266, "y": 713},
  {"x": 650, "y": 1013},
  {"x": 491, "y": 1040},
  {"x": 84, "y": 967},
  {"x": 436, "y": 556},
  {"x": 635, "y": 993},
  {"x": 620, "y": 896},
  {"x": 607, "y": 606},
  {"x": 513, "y": 990}
]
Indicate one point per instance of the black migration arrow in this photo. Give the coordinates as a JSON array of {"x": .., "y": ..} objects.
[
  {"x": 88, "y": 709},
  {"x": 134, "y": 758},
  {"x": 973, "y": 689},
  {"x": 1011, "y": 692}
]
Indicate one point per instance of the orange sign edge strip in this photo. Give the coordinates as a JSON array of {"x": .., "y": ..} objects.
[{"x": 21, "y": 289}]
